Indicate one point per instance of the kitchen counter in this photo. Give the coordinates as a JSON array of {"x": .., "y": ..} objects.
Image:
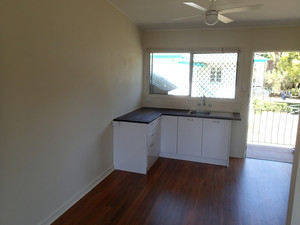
[{"x": 147, "y": 115}]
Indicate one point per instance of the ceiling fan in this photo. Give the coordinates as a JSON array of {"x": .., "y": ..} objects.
[{"x": 212, "y": 15}]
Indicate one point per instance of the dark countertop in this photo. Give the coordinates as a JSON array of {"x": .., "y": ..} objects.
[{"x": 147, "y": 115}]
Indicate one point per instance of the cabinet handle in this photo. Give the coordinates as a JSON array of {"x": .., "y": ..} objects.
[
  {"x": 190, "y": 119},
  {"x": 215, "y": 121}
]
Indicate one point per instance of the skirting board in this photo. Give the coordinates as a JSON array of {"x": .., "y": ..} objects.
[{"x": 61, "y": 210}]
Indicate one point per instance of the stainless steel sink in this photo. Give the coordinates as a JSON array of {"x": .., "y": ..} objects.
[{"x": 198, "y": 112}]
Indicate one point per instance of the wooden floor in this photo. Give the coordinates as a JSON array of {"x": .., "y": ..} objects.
[{"x": 249, "y": 192}]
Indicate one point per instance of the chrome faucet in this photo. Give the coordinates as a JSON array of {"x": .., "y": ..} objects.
[{"x": 204, "y": 104}]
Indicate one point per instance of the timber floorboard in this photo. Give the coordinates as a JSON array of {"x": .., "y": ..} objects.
[{"x": 174, "y": 192}]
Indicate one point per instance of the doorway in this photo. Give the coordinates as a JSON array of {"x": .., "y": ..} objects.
[{"x": 274, "y": 106}]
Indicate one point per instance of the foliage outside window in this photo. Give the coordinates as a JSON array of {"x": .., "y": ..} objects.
[
  {"x": 193, "y": 74},
  {"x": 282, "y": 72},
  {"x": 262, "y": 105}
]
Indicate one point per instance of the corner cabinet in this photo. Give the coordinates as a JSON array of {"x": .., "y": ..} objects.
[
  {"x": 136, "y": 145},
  {"x": 168, "y": 135}
]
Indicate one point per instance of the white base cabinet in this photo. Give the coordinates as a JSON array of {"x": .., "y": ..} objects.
[
  {"x": 136, "y": 145},
  {"x": 200, "y": 140},
  {"x": 168, "y": 134},
  {"x": 189, "y": 136},
  {"x": 216, "y": 139}
]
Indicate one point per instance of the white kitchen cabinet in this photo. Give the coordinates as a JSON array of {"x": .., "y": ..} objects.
[
  {"x": 216, "y": 140},
  {"x": 189, "y": 136},
  {"x": 136, "y": 145},
  {"x": 153, "y": 143},
  {"x": 168, "y": 134}
]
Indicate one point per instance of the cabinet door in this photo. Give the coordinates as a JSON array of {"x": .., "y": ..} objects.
[
  {"x": 169, "y": 134},
  {"x": 153, "y": 142},
  {"x": 216, "y": 138},
  {"x": 189, "y": 136},
  {"x": 130, "y": 146}
]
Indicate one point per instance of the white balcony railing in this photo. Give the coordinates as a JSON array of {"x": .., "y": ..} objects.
[{"x": 272, "y": 127}]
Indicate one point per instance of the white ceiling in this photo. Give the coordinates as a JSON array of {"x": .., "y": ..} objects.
[{"x": 159, "y": 14}]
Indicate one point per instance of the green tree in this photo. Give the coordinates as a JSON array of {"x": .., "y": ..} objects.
[
  {"x": 274, "y": 59},
  {"x": 273, "y": 76},
  {"x": 273, "y": 80},
  {"x": 289, "y": 66}
]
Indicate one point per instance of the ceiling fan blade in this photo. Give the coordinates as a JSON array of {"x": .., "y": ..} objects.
[
  {"x": 224, "y": 19},
  {"x": 187, "y": 17},
  {"x": 194, "y": 5},
  {"x": 241, "y": 9}
]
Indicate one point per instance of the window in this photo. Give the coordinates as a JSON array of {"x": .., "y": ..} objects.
[
  {"x": 169, "y": 73},
  {"x": 193, "y": 74},
  {"x": 216, "y": 74}
]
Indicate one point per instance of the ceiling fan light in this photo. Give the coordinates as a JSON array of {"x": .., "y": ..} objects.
[{"x": 211, "y": 19}]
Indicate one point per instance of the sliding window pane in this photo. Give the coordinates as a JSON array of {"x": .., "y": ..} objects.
[{"x": 169, "y": 73}]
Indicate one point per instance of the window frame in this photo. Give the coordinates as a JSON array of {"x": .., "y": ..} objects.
[{"x": 146, "y": 89}]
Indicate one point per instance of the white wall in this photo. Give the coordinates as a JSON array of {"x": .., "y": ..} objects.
[
  {"x": 247, "y": 41},
  {"x": 67, "y": 68},
  {"x": 293, "y": 215}
]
